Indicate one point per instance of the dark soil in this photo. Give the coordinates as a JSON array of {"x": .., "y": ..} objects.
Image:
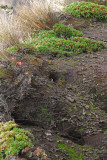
[{"x": 62, "y": 101}]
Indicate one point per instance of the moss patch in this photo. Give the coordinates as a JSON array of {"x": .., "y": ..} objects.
[
  {"x": 87, "y": 10},
  {"x": 44, "y": 115},
  {"x": 76, "y": 152},
  {"x": 70, "y": 151}
]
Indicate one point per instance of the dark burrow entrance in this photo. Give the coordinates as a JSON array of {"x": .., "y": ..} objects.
[
  {"x": 75, "y": 137},
  {"x": 53, "y": 76},
  {"x": 70, "y": 132}
]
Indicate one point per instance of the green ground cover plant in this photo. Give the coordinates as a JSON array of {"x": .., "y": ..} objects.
[
  {"x": 43, "y": 34},
  {"x": 13, "y": 140},
  {"x": 70, "y": 152},
  {"x": 83, "y": 152},
  {"x": 57, "y": 43},
  {"x": 62, "y": 30},
  {"x": 88, "y": 44},
  {"x": 34, "y": 14},
  {"x": 13, "y": 49},
  {"x": 66, "y": 47},
  {"x": 87, "y": 10},
  {"x": 22, "y": 48}
]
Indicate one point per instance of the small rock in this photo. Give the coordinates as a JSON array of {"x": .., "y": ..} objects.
[
  {"x": 70, "y": 25},
  {"x": 70, "y": 99},
  {"x": 95, "y": 56},
  {"x": 87, "y": 106},
  {"x": 84, "y": 112},
  {"x": 48, "y": 133},
  {"x": 64, "y": 119}
]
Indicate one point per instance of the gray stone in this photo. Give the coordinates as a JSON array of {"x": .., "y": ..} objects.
[{"x": 70, "y": 99}]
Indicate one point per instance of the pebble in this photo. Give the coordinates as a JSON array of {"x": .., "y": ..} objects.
[{"x": 70, "y": 99}]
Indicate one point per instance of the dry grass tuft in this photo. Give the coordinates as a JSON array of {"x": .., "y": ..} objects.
[
  {"x": 33, "y": 15},
  {"x": 66, "y": 2},
  {"x": 38, "y": 15},
  {"x": 11, "y": 31}
]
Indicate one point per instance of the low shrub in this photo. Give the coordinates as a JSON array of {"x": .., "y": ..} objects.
[
  {"x": 62, "y": 30},
  {"x": 57, "y": 43},
  {"x": 13, "y": 140},
  {"x": 44, "y": 33},
  {"x": 90, "y": 45},
  {"x": 67, "y": 47},
  {"x": 54, "y": 51},
  {"x": 87, "y": 10}
]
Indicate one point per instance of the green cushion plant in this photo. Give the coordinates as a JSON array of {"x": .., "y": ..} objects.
[
  {"x": 87, "y": 10},
  {"x": 62, "y": 40},
  {"x": 68, "y": 47},
  {"x": 56, "y": 41},
  {"x": 71, "y": 152},
  {"x": 13, "y": 140},
  {"x": 89, "y": 45},
  {"x": 64, "y": 31},
  {"x": 44, "y": 33}
]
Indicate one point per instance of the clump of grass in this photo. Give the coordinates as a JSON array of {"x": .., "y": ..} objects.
[
  {"x": 87, "y": 10},
  {"x": 11, "y": 32},
  {"x": 3, "y": 53},
  {"x": 37, "y": 15},
  {"x": 13, "y": 139}
]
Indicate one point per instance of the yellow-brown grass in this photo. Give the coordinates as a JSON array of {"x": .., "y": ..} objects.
[
  {"x": 66, "y": 2},
  {"x": 11, "y": 31},
  {"x": 37, "y": 15}
]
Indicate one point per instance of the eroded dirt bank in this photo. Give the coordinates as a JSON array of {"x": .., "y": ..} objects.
[{"x": 62, "y": 101}]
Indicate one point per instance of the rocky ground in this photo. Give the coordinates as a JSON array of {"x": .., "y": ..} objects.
[{"x": 62, "y": 101}]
